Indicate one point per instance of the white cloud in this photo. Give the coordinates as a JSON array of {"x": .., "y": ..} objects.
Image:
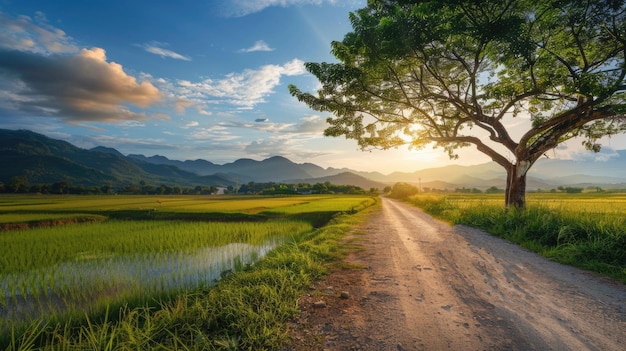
[
  {"x": 241, "y": 90},
  {"x": 286, "y": 147},
  {"x": 258, "y": 46},
  {"x": 157, "y": 49},
  {"x": 214, "y": 133},
  {"x": 268, "y": 127},
  {"x": 122, "y": 144},
  {"x": 311, "y": 126},
  {"x": 190, "y": 124},
  {"x": 25, "y": 34},
  {"x": 574, "y": 149},
  {"x": 239, "y": 8}
]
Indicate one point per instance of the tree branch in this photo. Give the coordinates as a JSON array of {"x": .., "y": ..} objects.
[{"x": 482, "y": 147}]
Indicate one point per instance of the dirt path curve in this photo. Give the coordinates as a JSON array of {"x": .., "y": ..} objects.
[{"x": 429, "y": 286}]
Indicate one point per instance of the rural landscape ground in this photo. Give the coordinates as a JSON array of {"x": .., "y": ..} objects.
[{"x": 417, "y": 283}]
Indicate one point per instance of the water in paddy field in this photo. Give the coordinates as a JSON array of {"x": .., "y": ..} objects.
[{"x": 88, "y": 282}]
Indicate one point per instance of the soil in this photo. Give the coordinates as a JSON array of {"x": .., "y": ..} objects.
[{"x": 420, "y": 284}]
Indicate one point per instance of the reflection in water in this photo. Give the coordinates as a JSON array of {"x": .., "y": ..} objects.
[{"x": 93, "y": 281}]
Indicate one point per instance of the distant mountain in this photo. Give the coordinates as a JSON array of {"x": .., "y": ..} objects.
[
  {"x": 554, "y": 169},
  {"x": 315, "y": 171},
  {"x": 107, "y": 150},
  {"x": 345, "y": 178},
  {"x": 201, "y": 167},
  {"x": 453, "y": 174},
  {"x": 45, "y": 160},
  {"x": 545, "y": 174},
  {"x": 273, "y": 169}
]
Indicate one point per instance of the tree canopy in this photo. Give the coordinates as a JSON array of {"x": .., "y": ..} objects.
[{"x": 458, "y": 73}]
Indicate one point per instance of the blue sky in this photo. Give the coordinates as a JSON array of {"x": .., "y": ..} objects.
[{"x": 184, "y": 79}]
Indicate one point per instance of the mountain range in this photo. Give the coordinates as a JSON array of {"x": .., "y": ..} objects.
[{"x": 43, "y": 160}]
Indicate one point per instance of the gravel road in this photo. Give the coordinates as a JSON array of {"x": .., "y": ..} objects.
[{"x": 429, "y": 286}]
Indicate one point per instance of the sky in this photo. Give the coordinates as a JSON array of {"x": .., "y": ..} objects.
[{"x": 187, "y": 79}]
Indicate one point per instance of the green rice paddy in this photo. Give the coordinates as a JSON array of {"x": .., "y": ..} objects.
[{"x": 140, "y": 248}]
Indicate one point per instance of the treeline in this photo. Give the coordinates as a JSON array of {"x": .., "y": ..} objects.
[
  {"x": 405, "y": 190},
  {"x": 21, "y": 185},
  {"x": 272, "y": 188}
]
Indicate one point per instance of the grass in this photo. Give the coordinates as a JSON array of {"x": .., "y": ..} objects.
[
  {"x": 583, "y": 230},
  {"x": 244, "y": 310}
]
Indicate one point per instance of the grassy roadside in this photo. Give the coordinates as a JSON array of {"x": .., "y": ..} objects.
[
  {"x": 246, "y": 310},
  {"x": 590, "y": 238}
]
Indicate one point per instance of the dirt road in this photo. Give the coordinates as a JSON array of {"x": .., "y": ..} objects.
[{"x": 429, "y": 286}]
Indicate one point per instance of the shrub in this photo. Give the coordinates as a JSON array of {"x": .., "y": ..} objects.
[{"x": 403, "y": 190}]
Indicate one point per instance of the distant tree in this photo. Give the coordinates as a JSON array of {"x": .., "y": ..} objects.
[
  {"x": 176, "y": 190},
  {"x": 455, "y": 73},
  {"x": 105, "y": 189},
  {"x": 19, "y": 184},
  {"x": 573, "y": 190},
  {"x": 95, "y": 190},
  {"x": 494, "y": 190},
  {"x": 403, "y": 190},
  {"x": 132, "y": 189},
  {"x": 164, "y": 190},
  {"x": 320, "y": 188},
  {"x": 60, "y": 187}
]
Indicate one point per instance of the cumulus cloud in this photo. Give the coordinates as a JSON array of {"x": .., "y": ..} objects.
[
  {"x": 77, "y": 88},
  {"x": 129, "y": 145},
  {"x": 286, "y": 147},
  {"x": 258, "y": 46},
  {"x": 190, "y": 124},
  {"x": 574, "y": 150},
  {"x": 213, "y": 133},
  {"x": 24, "y": 33},
  {"x": 240, "y": 8},
  {"x": 242, "y": 90},
  {"x": 157, "y": 49},
  {"x": 268, "y": 127},
  {"x": 312, "y": 126}
]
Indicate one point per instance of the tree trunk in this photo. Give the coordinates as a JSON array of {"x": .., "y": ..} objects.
[{"x": 515, "y": 195}]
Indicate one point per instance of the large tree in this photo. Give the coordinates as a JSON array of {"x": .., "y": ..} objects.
[{"x": 457, "y": 73}]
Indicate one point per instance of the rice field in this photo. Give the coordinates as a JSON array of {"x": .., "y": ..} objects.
[
  {"x": 112, "y": 203},
  {"x": 142, "y": 249},
  {"x": 586, "y": 230},
  {"x": 600, "y": 203}
]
